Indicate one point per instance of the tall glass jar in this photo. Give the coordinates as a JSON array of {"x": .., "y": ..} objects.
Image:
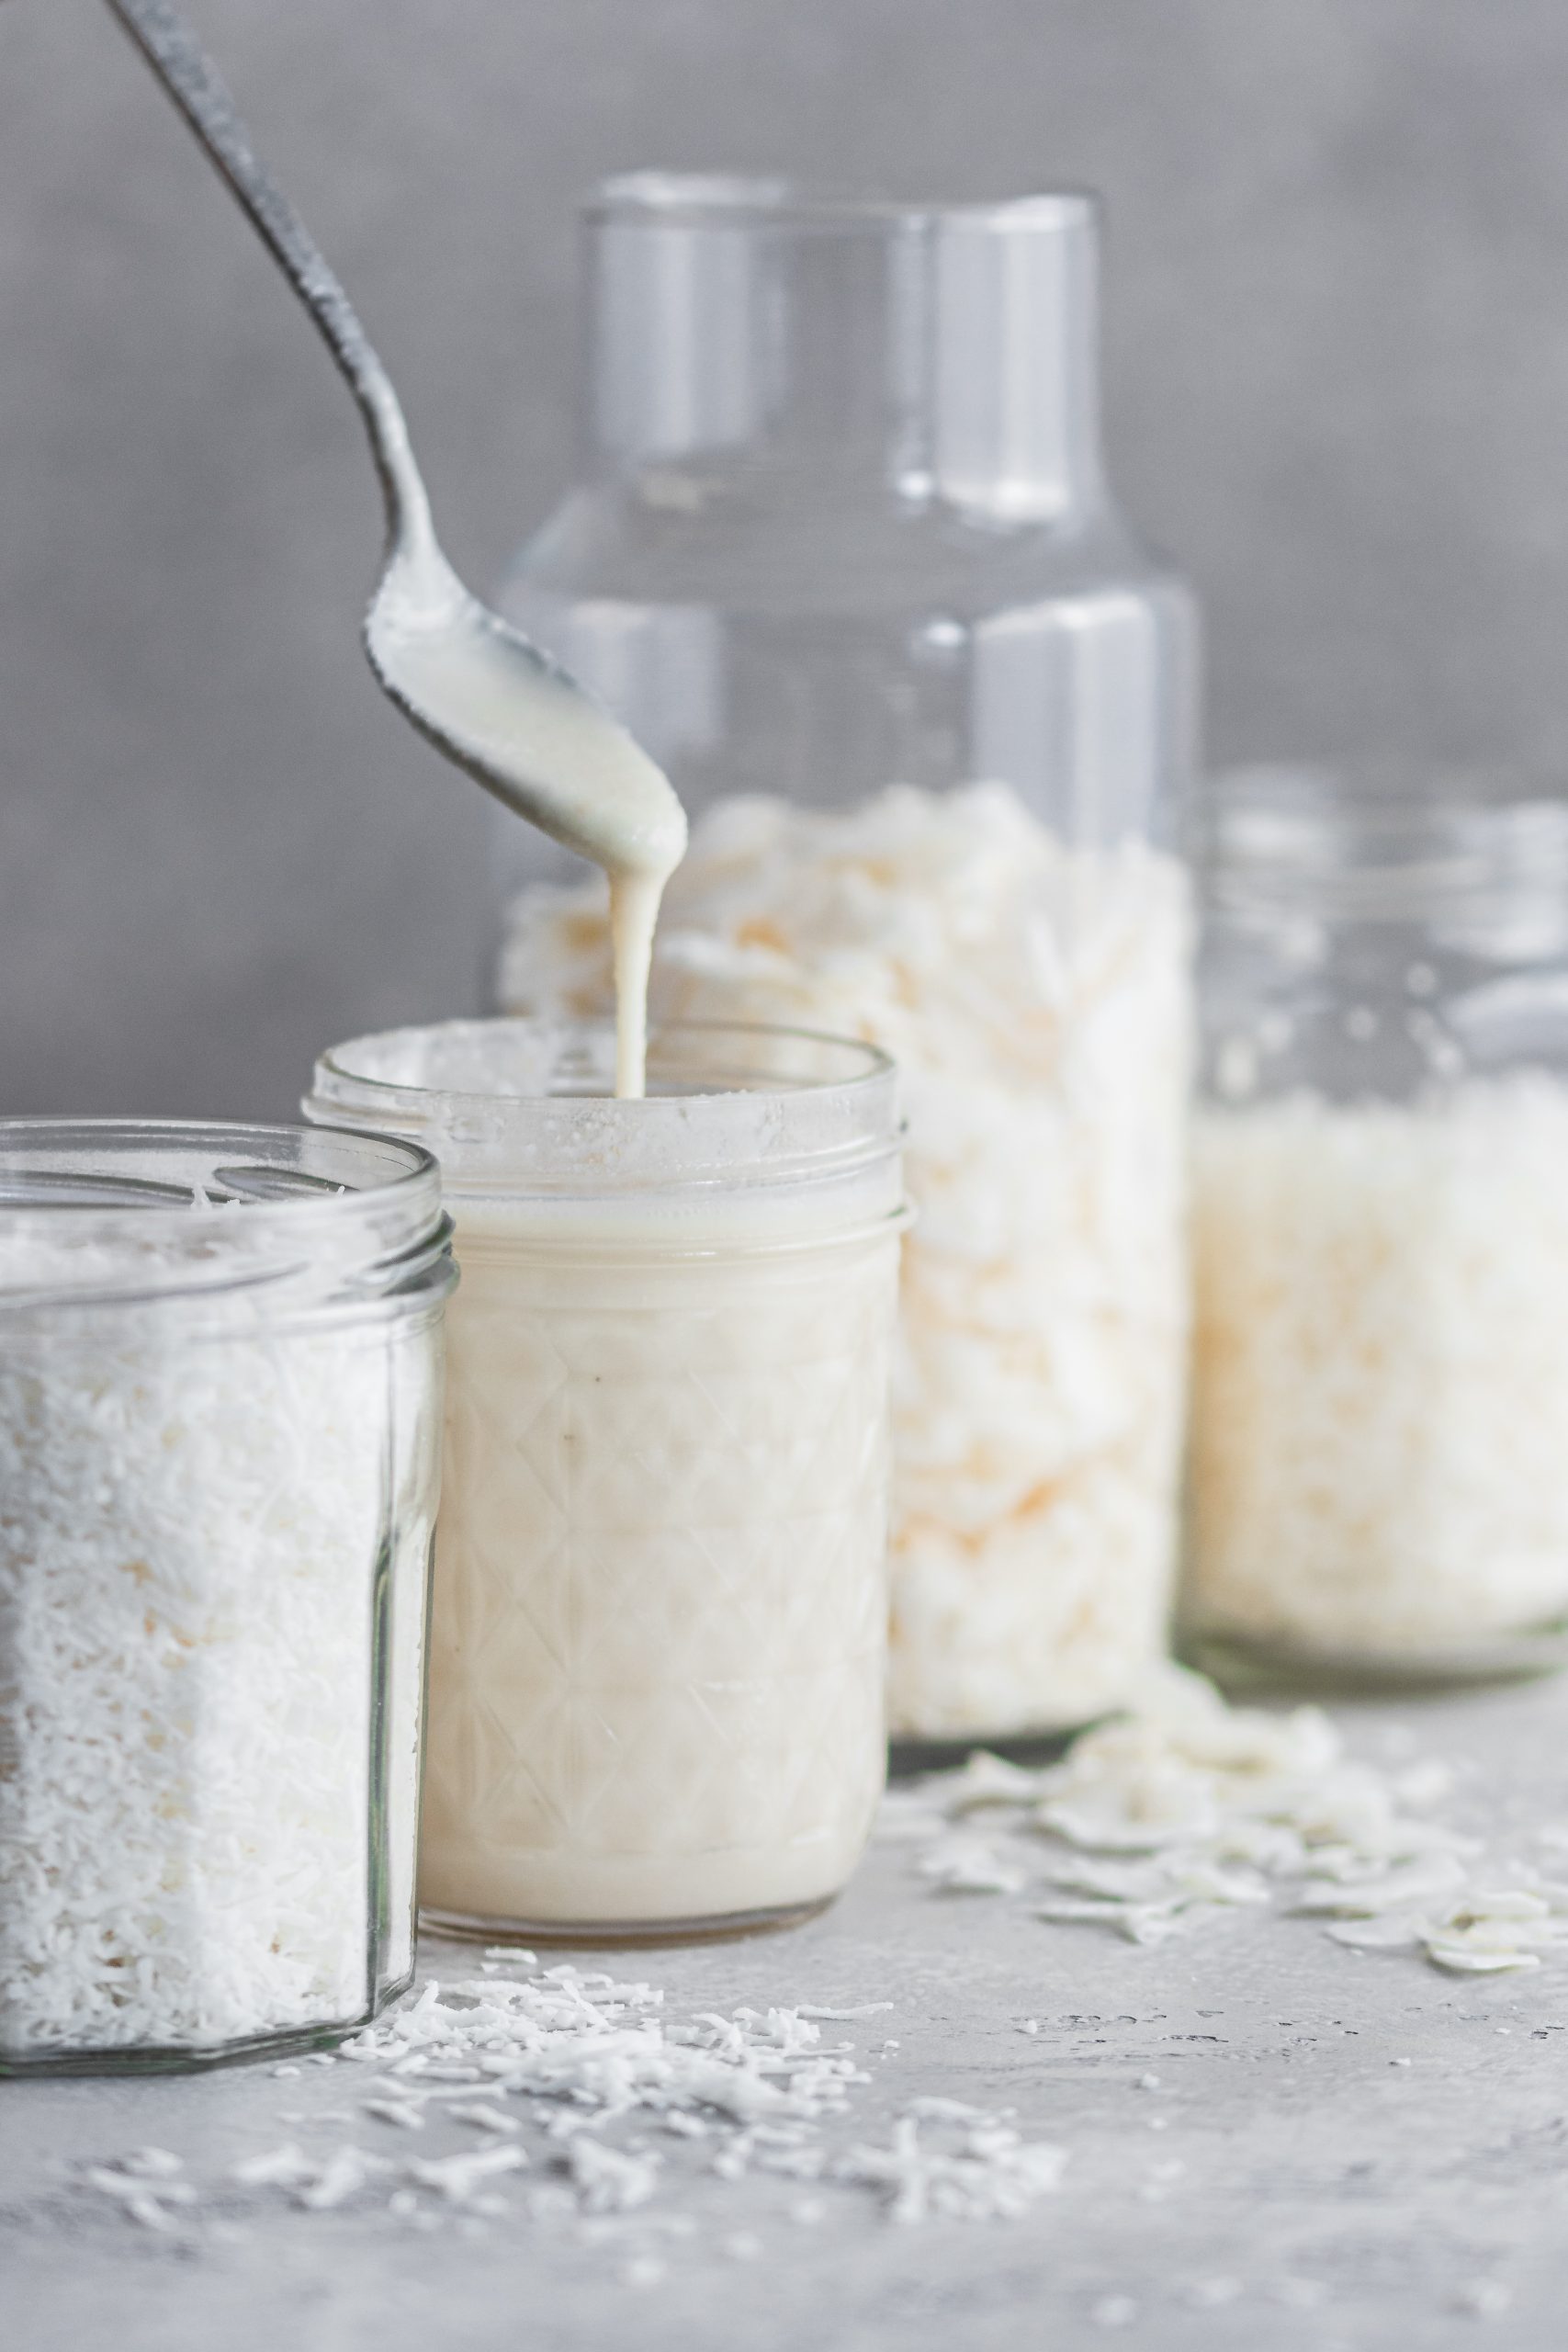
[
  {"x": 1378, "y": 1481},
  {"x": 219, "y": 1401},
  {"x": 659, "y": 1631},
  {"x": 843, "y": 555}
]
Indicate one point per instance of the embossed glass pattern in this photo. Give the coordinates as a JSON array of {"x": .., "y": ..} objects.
[{"x": 660, "y": 1632}]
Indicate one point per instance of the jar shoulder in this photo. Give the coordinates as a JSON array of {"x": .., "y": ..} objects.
[{"x": 757, "y": 551}]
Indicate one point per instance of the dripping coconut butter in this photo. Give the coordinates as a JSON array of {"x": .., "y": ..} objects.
[{"x": 520, "y": 722}]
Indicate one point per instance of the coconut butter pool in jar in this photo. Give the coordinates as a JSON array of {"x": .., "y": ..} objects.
[{"x": 659, "y": 1629}]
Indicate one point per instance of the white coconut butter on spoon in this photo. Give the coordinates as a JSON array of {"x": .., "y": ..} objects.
[
  {"x": 474, "y": 685},
  {"x": 494, "y": 703}
]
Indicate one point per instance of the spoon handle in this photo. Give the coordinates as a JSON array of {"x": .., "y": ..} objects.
[{"x": 192, "y": 81}]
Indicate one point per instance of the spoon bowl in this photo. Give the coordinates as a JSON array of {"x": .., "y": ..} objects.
[{"x": 491, "y": 701}]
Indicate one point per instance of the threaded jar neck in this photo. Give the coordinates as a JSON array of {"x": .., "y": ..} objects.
[
  {"x": 1478, "y": 859},
  {"x": 238, "y": 1225},
  {"x": 745, "y": 1130}
]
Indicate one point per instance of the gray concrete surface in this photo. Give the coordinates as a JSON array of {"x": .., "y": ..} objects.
[
  {"x": 1423, "y": 2203},
  {"x": 1338, "y": 348}
]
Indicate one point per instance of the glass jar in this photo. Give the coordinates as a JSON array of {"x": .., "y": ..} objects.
[
  {"x": 1379, "y": 1473},
  {"x": 842, "y": 555},
  {"x": 220, "y": 1400},
  {"x": 660, "y": 1632}
]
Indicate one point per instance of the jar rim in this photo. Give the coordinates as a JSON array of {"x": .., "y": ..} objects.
[
  {"x": 112, "y": 1208},
  {"x": 718, "y": 200},
  {"x": 1377, "y": 840},
  {"x": 529, "y": 1100}
]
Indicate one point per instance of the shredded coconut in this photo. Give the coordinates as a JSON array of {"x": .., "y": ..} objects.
[
  {"x": 987, "y": 2172},
  {"x": 1380, "y": 1448},
  {"x": 1151, "y": 1823},
  {"x": 190, "y": 1535},
  {"x": 154, "y": 2203},
  {"x": 1035, "y": 998},
  {"x": 584, "y": 2057},
  {"x": 458, "y": 2179},
  {"x": 1188, "y": 1809}
]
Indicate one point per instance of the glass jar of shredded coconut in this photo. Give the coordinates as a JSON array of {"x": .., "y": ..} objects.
[
  {"x": 1379, "y": 1471},
  {"x": 843, "y": 555},
  {"x": 219, "y": 1408},
  {"x": 659, "y": 1631}
]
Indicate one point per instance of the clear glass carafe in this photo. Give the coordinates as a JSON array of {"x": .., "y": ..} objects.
[
  {"x": 1379, "y": 1473},
  {"x": 842, "y": 554}
]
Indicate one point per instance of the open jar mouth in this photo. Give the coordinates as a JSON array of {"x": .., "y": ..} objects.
[
  {"x": 530, "y": 1101},
  {"x": 108, "y": 1212},
  {"x": 712, "y": 200},
  {"x": 1477, "y": 852}
]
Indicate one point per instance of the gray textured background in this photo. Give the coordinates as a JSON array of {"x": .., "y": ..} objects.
[{"x": 1338, "y": 373}]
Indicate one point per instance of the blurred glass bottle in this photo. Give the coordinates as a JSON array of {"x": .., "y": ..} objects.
[
  {"x": 1378, "y": 1483},
  {"x": 842, "y": 517},
  {"x": 842, "y": 523}
]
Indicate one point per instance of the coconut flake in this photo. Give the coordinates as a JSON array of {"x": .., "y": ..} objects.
[
  {"x": 188, "y": 1544},
  {"x": 986, "y": 2172},
  {"x": 969, "y": 1866},
  {"x": 1380, "y": 1433},
  {"x": 1187, "y": 1808},
  {"x": 457, "y": 2178}
]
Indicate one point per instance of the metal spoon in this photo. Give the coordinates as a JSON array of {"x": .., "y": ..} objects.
[{"x": 472, "y": 685}]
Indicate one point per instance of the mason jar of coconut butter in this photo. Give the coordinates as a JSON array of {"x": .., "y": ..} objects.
[{"x": 660, "y": 1621}]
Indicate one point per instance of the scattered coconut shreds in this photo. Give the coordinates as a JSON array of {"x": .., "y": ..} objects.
[
  {"x": 985, "y": 2172},
  {"x": 968, "y": 1866},
  {"x": 484, "y": 2118},
  {"x": 149, "y": 2198},
  {"x": 342, "y": 2176},
  {"x": 607, "y": 2179},
  {"x": 1149, "y": 1825},
  {"x": 1187, "y": 1808},
  {"x": 285, "y": 2167},
  {"x": 589, "y": 2063},
  {"x": 458, "y": 2179}
]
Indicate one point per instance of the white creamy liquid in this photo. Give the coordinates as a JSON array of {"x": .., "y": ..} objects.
[
  {"x": 634, "y": 913},
  {"x": 661, "y": 1592},
  {"x": 537, "y": 741}
]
